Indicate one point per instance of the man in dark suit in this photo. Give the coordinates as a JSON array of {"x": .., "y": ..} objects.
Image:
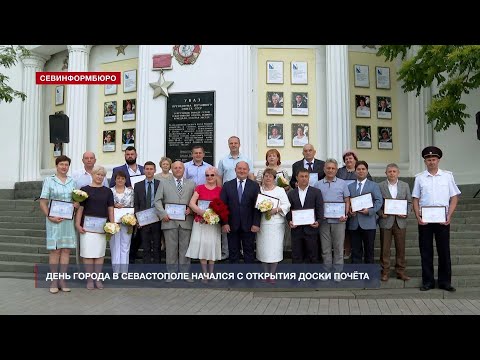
[
  {"x": 383, "y": 106},
  {"x": 240, "y": 195},
  {"x": 131, "y": 168},
  {"x": 305, "y": 237},
  {"x": 299, "y": 102},
  {"x": 308, "y": 162},
  {"x": 143, "y": 200}
]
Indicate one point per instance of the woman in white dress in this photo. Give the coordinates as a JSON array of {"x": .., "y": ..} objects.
[
  {"x": 270, "y": 236},
  {"x": 92, "y": 245},
  {"x": 120, "y": 242},
  {"x": 205, "y": 240}
]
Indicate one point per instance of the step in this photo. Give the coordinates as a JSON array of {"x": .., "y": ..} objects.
[
  {"x": 23, "y": 248},
  {"x": 22, "y": 225},
  {"x": 24, "y": 232},
  {"x": 29, "y": 257},
  {"x": 454, "y": 250},
  {"x": 23, "y": 213},
  {"x": 7, "y": 194},
  {"x": 21, "y": 267},
  {"x": 22, "y": 219}
]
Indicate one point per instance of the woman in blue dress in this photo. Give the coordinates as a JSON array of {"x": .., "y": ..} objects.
[{"x": 61, "y": 237}]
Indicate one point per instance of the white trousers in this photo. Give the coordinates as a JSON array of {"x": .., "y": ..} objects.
[{"x": 120, "y": 249}]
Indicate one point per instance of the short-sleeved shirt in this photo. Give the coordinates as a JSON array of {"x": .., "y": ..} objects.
[
  {"x": 435, "y": 190},
  {"x": 195, "y": 172},
  {"x": 226, "y": 166},
  {"x": 97, "y": 203},
  {"x": 334, "y": 191},
  {"x": 83, "y": 178},
  {"x": 349, "y": 176}
]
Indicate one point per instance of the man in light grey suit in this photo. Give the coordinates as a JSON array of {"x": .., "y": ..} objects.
[
  {"x": 395, "y": 225},
  {"x": 364, "y": 222},
  {"x": 176, "y": 190}
]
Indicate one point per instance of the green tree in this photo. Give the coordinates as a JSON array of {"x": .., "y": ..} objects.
[
  {"x": 456, "y": 70},
  {"x": 9, "y": 55}
]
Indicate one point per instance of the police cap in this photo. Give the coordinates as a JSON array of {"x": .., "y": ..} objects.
[{"x": 430, "y": 151}]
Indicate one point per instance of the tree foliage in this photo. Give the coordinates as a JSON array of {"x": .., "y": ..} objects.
[
  {"x": 454, "y": 68},
  {"x": 9, "y": 55}
]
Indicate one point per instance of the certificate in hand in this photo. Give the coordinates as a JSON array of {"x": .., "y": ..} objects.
[
  {"x": 434, "y": 214},
  {"x": 395, "y": 207},
  {"x": 146, "y": 217},
  {"x": 118, "y": 213},
  {"x": 61, "y": 209},
  {"x": 176, "y": 211},
  {"x": 262, "y": 197},
  {"x": 94, "y": 224},
  {"x": 313, "y": 178},
  {"x": 136, "y": 179},
  {"x": 303, "y": 217},
  {"x": 333, "y": 210},
  {"x": 361, "y": 202},
  {"x": 203, "y": 204}
]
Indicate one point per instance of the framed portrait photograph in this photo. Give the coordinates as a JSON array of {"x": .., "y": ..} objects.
[
  {"x": 57, "y": 149},
  {"x": 129, "y": 110},
  {"x": 128, "y": 138},
  {"x": 361, "y": 75},
  {"x": 382, "y": 77},
  {"x": 385, "y": 141},
  {"x": 110, "y": 89},
  {"x": 384, "y": 107},
  {"x": 274, "y": 72},
  {"x": 275, "y": 135},
  {"x": 364, "y": 136},
  {"x": 274, "y": 103},
  {"x": 299, "y": 134},
  {"x": 59, "y": 94},
  {"x": 299, "y": 73},
  {"x": 108, "y": 138},
  {"x": 109, "y": 112},
  {"x": 362, "y": 103},
  {"x": 129, "y": 81},
  {"x": 299, "y": 103}
]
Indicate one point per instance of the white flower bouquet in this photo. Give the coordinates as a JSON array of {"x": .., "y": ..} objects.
[
  {"x": 282, "y": 182},
  {"x": 129, "y": 220},
  {"x": 111, "y": 229},
  {"x": 79, "y": 195},
  {"x": 211, "y": 217},
  {"x": 265, "y": 206}
]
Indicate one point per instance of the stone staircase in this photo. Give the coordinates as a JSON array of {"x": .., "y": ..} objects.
[{"x": 22, "y": 240}]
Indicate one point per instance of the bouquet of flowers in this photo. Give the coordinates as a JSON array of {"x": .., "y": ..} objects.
[
  {"x": 79, "y": 195},
  {"x": 130, "y": 221},
  {"x": 210, "y": 217},
  {"x": 265, "y": 206},
  {"x": 220, "y": 208},
  {"x": 111, "y": 229},
  {"x": 282, "y": 182}
]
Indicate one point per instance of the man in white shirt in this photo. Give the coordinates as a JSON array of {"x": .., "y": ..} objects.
[
  {"x": 83, "y": 176},
  {"x": 435, "y": 187}
]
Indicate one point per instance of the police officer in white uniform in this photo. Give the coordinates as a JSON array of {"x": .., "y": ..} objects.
[{"x": 435, "y": 187}]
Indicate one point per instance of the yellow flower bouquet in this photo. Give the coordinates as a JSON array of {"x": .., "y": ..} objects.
[
  {"x": 111, "y": 229},
  {"x": 130, "y": 221}
]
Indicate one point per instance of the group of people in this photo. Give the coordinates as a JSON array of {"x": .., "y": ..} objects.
[{"x": 313, "y": 184}]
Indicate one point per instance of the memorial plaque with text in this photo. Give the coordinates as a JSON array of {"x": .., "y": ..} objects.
[{"x": 190, "y": 121}]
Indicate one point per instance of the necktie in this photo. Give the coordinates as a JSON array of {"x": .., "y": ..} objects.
[
  {"x": 359, "y": 189},
  {"x": 240, "y": 191},
  {"x": 310, "y": 168},
  {"x": 179, "y": 186},
  {"x": 149, "y": 195}
]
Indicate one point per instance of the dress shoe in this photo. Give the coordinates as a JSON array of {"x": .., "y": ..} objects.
[
  {"x": 403, "y": 277},
  {"x": 99, "y": 285},
  {"x": 53, "y": 290},
  {"x": 90, "y": 285},
  {"x": 384, "y": 277},
  {"x": 449, "y": 288},
  {"x": 169, "y": 280},
  {"x": 189, "y": 280},
  {"x": 426, "y": 287},
  {"x": 65, "y": 289}
]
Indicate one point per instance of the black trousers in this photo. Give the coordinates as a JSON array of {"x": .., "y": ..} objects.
[
  {"x": 150, "y": 235},
  {"x": 134, "y": 246},
  {"x": 363, "y": 242},
  {"x": 442, "y": 241},
  {"x": 247, "y": 242},
  {"x": 304, "y": 248}
]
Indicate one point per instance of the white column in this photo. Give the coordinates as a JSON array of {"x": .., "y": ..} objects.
[
  {"x": 32, "y": 110},
  {"x": 141, "y": 140},
  {"x": 338, "y": 101},
  {"x": 420, "y": 133},
  {"x": 245, "y": 126},
  {"x": 76, "y": 106}
]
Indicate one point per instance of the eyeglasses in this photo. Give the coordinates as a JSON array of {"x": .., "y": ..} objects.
[{"x": 209, "y": 175}]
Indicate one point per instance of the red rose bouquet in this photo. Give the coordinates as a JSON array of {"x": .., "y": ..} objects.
[{"x": 220, "y": 208}]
